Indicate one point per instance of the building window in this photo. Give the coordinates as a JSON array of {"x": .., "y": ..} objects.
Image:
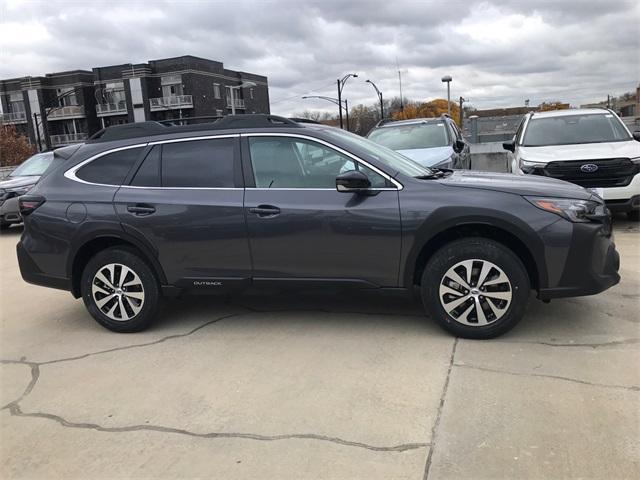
[
  {"x": 216, "y": 90},
  {"x": 218, "y": 112},
  {"x": 171, "y": 85},
  {"x": 251, "y": 93},
  {"x": 15, "y": 103},
  {"x": 66, "y": 97}
]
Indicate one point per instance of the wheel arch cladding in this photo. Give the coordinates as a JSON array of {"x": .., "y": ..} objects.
[
  {"x": 97, "y": 244},
  {"x": 419, "y": 258}
]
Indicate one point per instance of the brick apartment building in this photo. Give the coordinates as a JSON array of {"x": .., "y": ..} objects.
[{"x": 78, "y": 103}]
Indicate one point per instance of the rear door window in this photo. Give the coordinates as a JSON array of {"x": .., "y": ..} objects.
[
  {"x": 148, "y": 175},
  {"x": 199, "y": 163}
]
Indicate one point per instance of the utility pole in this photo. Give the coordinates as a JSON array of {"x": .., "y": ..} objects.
[
  {"x": 462, "y": 100},
  {"x": 400, "y": 82},
  {"x": 608, "y": 101},
  {"x": 35, "y": 118},
  {"x": 346, "y": 109},
  {"x": 341, "y": 83}
]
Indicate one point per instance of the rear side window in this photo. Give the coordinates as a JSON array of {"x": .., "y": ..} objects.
[
  {"x": 110, "y": 169},
  {"x": 199, "y": 163}
]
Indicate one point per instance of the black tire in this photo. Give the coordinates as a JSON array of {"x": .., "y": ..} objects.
[
  {"x": 482, "y": 250},
  {"x": 150, "y": 289},
  {"x": 633, "y": 215}
]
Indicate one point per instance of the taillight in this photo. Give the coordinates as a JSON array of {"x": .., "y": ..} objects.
[{"x": 28, "y": 203}]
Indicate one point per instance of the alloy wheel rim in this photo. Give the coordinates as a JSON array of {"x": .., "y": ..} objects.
[
  {"x": 117, "y": 292},
  {"x": 475, "y": 292}
]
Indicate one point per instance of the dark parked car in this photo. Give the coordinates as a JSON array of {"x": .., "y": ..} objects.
[
  {"x": 19, "y": 182},
  {"x": 431, "y": 142},
  {"x": 146, "y": 211}
]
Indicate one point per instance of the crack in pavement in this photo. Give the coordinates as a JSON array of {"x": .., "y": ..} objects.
[
  {"x": 436, "y": 424},
  {"x": 35, "y": 375},
  {"x": 628, "y": 341},
  {"x": 140, "y": 345},
  {"x": 555, "y": 377},
  {"x": 15, "y": 410}
]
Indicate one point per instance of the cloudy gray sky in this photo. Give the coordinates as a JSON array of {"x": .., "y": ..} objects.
[{"x": 498, "y": 52}]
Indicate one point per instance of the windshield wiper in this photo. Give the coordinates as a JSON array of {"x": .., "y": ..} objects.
[{"x": 436, "y": 173}]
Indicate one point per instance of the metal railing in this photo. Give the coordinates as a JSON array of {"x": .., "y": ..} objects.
[
  {"x": 68, "y": 138},
  {"x": 103, "y": 109},
  {"x": 13, "y": 117},
  {"x": 70, "y": 111},
  {"x": 239, "y": 102},
  {"x": 172, "y": 102}
]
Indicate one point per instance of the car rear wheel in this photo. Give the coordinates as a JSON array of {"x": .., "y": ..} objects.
[
  {"x": 120, "y": 290},
  {"x": 475, "y": 288},
  {"x": 633, "y": 215}
]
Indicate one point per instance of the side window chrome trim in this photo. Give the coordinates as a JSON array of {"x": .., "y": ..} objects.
[
  {"x": 333, "y": 147},
  {"x": 71, "y": 173}
]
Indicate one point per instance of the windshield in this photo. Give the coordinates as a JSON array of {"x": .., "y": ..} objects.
[
  {"x": 398, "y": 162},
  {"x": 572, "y": 129},
  {"x": 33, "y": 166},
  {"x": 411, "y": 137}
]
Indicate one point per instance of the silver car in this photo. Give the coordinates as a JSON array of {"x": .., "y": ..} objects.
[
  {"x": 431, "y": 142},
  {"x": 19, "y": 182}
]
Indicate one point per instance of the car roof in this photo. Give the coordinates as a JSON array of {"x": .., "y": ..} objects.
[
  {"x": 413, "y": 121},
  {"x": 571, "y": 111}
]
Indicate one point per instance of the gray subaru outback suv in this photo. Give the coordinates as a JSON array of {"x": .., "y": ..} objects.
[{"x": 144, "y": 211}]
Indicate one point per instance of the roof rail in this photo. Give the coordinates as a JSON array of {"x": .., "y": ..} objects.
[
  {"x": 384, "y": 121},
  {"x": 304, "y": 120},
  {"x": 146, "y": 129}
]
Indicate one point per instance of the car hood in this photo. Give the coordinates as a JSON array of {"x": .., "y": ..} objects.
[
  {"x": 428, "y": 156},
  {"x": 582, "y": 151},
  {"x": 17, "y": 182},
  {"x": 518, "y": 184}
]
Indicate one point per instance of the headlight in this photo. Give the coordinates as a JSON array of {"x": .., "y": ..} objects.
[
  {"x": 22, "y": 190},
  {"x": 572, "y": 209},
  {"x": 527, "y": 166}
]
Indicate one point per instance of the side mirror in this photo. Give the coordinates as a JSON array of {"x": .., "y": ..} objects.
[
  {"x": 458, "y": 146},
  {"x": 636, "y": 135},
  {"x": 510, "y": 145},
  {"x": 353, "y": 181}
]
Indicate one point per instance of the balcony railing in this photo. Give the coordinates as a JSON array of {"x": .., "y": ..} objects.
[
  {"x": 239, "y": 102},
  {"x": 13, "y": 117},
  {"x": 171, "y": 103},
  {"x": 104, "y": 109},
  {"x": 70, "y": 111},
  {"x": 67, "y": 139}
]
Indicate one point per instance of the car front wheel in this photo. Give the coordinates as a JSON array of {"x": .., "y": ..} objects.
[
  {"x": 120, "y": 290},
  {"x": 475, "y": 288}
]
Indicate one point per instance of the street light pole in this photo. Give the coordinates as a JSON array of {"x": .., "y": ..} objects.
[
  {"x": 447, "y": 79},
  {"x": 379, "y": 97},
  {"x": 238, "y": 87},
  {"x": 346, "y": 109},
  {"x": 341, "y": 83}
]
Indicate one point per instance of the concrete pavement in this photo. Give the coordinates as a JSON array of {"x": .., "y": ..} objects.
[{"x": 303, "y": 385}]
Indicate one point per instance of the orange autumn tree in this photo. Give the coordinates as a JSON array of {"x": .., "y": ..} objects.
[
  {"x": 14, "y": 148},
  {"x": 432, "y": 109}
]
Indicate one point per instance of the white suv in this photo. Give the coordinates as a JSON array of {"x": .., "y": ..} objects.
[{"x": 590, "y": 147}]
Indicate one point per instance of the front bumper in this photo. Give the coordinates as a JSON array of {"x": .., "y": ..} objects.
[
  {"x": 10, "y": 211},
  {"x": 591, "y": 265},
  {"x": 628, "y": 205}
]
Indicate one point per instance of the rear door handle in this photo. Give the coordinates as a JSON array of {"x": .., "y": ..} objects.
[
  {"x": 140, "y": 209},
  {"x": 265, "y": 210}
]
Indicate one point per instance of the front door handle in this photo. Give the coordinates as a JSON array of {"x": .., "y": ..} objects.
[
  {"x": 265, "y": 210},
  {"x": 141, "y": 209}
]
